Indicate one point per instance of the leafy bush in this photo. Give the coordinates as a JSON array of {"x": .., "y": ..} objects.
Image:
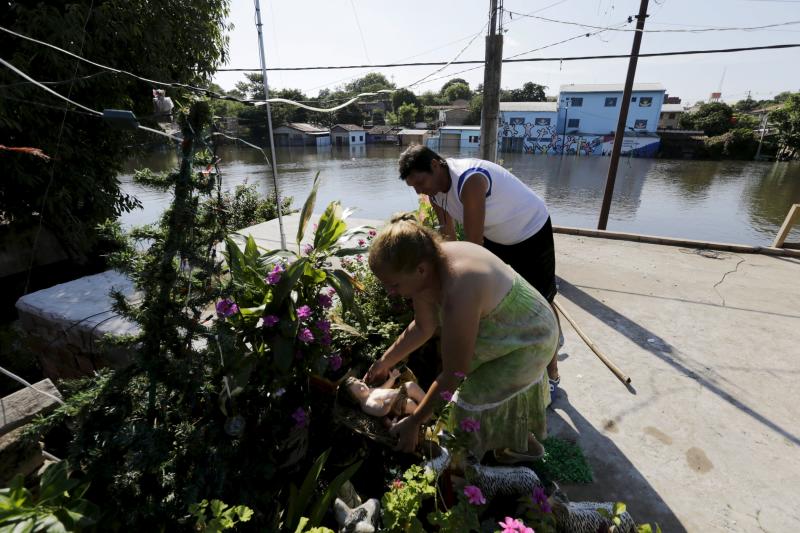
[
  {"x": 246, "y": 207},
  {"x": 740, "y": 143}
]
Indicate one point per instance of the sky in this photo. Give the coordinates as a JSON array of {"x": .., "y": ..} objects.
[{"x": 344, "y": 32}]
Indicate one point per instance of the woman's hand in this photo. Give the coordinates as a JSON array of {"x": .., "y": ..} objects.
[
  {"x": 407, "y": 431},
  {"x": 378, "y": 372}
]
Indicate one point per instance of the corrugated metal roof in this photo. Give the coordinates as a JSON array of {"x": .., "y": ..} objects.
[
  {"x": 348, "y": 127},
  {"x": 609, "y": 87},
  {"x": 529, "y": 106},
  {"x": 466, "y": 128},
  {"x": 672, "y": 108},
  {"x": 306, "y": 128},
  {"x": 383, "y": 130},
  {"x": 412, "y": 132}
]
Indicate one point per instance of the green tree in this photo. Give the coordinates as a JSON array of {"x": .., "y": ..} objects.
[
  {"x": 403, "y": 96},
  {"x": 255, "y": 118},
  {"x": 372, "y": 82},
  {"x": 450, "y": 82},
  {"x": 475, "y": 106},
  {"x": 405, "y": 115},
  {"x": 457, "y": 91},
  {"x": 179, "y": 41},
  {"x": 714, "y": 118},
  {"x": 378, "y": 117},
  {"x": 747, "y": 104},
  {"x": 431, "y": 98},
  {"x": 787, "y": 120}
]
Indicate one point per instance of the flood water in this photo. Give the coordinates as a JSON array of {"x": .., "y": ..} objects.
[{"x": 723, "y": 201}]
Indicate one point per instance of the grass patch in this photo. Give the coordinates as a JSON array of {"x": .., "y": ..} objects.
[{"x": 563, "y": 461}]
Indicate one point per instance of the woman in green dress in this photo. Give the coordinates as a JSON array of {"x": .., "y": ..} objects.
[{"x": 498, "y": 335}]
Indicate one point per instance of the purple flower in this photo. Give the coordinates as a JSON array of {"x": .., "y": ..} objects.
[
  {"x": 335, "y": 362},
  {"x": 227, "y": 307},
  {"x": 362, "y": 242},
  {"x": 540, "y": 498},
  {"x": 474, "y": 495},
  {"x": 303, "y": 312},
  {"x": 305, "y": 335},
  {"x": 331, "y": 292},
  {"x": 470, "y": 425},
  {"x": 308, "y": 248},
  {"x": 446, "y": 395},
  {"x": 324, "y": 301},
  {"x": 300, "y": 417},
  {"x": 323, "y": 325},
  {"x": 459, "y": 375},
  {"x": 270, "y": 320},
  {"x": 325, "y": 339},
  {"x": 275, "y": 276}
]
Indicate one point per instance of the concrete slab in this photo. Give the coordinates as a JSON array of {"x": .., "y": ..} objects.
[{"x": 706, "y": 438}]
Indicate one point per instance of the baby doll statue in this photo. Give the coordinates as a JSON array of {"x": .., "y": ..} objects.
[{"x": 384, "y": 400}]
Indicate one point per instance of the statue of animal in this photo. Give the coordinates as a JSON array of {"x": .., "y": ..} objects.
[
  {"x": 582, "y": 517},
  {"x": 512, "y": 481},
  {"x": 361, "y": 519}
]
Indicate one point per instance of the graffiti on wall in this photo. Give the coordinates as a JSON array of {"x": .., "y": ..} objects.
[{"x": 541, "y": 137}]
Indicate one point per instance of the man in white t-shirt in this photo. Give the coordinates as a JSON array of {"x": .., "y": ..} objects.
[{"x": 497, "y": 211}]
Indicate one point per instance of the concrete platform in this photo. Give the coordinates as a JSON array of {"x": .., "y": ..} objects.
[{"x": 706, "y": 437}]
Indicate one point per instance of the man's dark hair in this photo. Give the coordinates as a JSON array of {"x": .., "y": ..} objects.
[{"x": 417, "y": 158}]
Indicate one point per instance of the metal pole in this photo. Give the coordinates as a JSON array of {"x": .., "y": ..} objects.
[
  {"x": 274, "y": 162},
  {"x": 491, "y": 88},
  {"x": 761, "y": 139},
  {"x": 623, "y": 117}
]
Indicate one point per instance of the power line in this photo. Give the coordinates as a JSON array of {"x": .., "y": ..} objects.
[
  {"x": 696, "y": 30},
  {"x": 360, "y": 32}
]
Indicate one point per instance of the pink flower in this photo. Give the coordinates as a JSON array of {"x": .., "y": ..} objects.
[
  {"x": 459, "y": 375},
  {"x": 362, "y": 242},
  {"x": 335, "y": 362},
  {"x": 305, "y": 335},
  {"x": 270, "y": 320},
  {"x": 303, "y": 312},
  {"x": 397, "y": 484},
  {"x": 300, "y": 417},
  {"x": 226, "y": 308},
  {"x": 275, "y": 276},
  {"x": 331, "y": 292},
  {"x": 474, "y": 495},
  {"x": 323, "y": 325},
  {"x": 324, "y": 301},
  {"x": 446, "y": 395},
  {"x": 372, "y": 233},
  {"x": 359, "y": 258},
  {"x": 307, "y": 249},
  {"x": 511, "y": 525},
  {"x": 470, "y": 425}
]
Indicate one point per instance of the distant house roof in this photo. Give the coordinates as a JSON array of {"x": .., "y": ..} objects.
[
  {"x": 609, "y": 88},
  {"x": 383, "y": 130},
  {"x": 461, "y": 128},
  {"x": 672, "y": 108},
  {"x": 529, "y": 106},
  {"x": 412, "y": 132},
  {"x": 347, "y": 127},
  {"x": 306, "y": 128}
]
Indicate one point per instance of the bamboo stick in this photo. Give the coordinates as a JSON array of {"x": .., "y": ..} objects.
[{"x": 624, "y": 378}]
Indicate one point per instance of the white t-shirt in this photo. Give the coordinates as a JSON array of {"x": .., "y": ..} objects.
[{"x": 513, "y": 211}]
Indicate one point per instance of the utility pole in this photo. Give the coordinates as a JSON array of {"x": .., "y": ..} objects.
[
  {"x": 491, "y": 86},
  {"x": 273, "y": 161},
  {"x": 763, "y": 131},
  {"x": 623, "y": 117}
]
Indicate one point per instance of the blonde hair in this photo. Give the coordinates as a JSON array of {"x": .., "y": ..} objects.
[{"x": 403, "y": 244}]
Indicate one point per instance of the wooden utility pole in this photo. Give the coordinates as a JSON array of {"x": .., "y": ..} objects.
[
  {"x": 623, "y": 117},
  {"x": 491, "y": 87}
]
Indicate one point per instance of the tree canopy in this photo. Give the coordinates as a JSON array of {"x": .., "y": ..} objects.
[
  {"x": 787, "y": 120},
  {"x": 530, "y": 92},
  {"x": 714, "y": 118},
  {"x": 457, "y": 91},
  {"x": 179, "y": 41}
]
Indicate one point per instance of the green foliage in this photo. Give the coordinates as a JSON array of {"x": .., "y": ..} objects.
[
  {"x": 369, "y": 83},
  {"x": 403, "y": 96},
  {"x": 460, "y": 518},
  {"x": 530, "y": 92},
  {"x": 475, "y": 106},
  {"x": 59, "y": 506},
  {"x": 564, "y": 461},
  {"x": 246, "y": 207},
  {"x": 184, "y": 42},
  {"x": 221, "y": 517},
  {"x": 401, "y": 504},
  {"x": 405, "y": 115},
  {"x": 16, "y": 357},
  {"x": 787, "y": 121},
  {"x": 747, "y": 104},
  {"x": 739, "y": 143},
  {"x": 452, "y": 81},
  {"x": 457, "y": 91},
  {"x": 714, "y": 118}
]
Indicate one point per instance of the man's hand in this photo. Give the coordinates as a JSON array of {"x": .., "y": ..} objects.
[
  {"x": 394, "y": 374},
  {"x": 378, "y": 372},
  {"x": 407, "y": 431}
]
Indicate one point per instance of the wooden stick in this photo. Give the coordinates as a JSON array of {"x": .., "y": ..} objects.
[{"x": 611, "y": 366}]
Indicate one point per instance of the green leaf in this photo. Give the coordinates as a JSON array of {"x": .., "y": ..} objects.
[
  {"x": 343, "y": 283},
  {"x": 330, "y": 227},
  {"x": 234, "y": 257},
  {"x": 287, "y": 282},
  {"x": 283, "y": 351},
  {"x": 307, "y": 489},
  {"x": 308, "y": 209},
  {"x": 251, "y": 250},
  {"x": 619, "y": 508},
  {"x": 25, "y": 526},
  {"x": 301, "y": 525},
  {"x": 325, "y": 502}
]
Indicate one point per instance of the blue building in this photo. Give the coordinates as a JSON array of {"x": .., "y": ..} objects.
[{"x": 582, "y": 121}]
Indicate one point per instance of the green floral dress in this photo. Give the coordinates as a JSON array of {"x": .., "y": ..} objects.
[{"x": 506, "y": 389}]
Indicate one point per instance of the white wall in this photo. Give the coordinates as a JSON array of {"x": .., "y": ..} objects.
[{"x": 597, "y": 118}]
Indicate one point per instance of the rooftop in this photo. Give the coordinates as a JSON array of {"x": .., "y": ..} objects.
[
  {"x": 470, "y": 128},
  {"x": 306, "y": 128},
  {"x": 348, "y": 127},
  {"x": 609, "y": 87},
  {"x": 412, "y": 132},
  {"x": 672, "y": 108},
  {"x": 383, "y": 130},
  {"x": 529, "y": 106}
]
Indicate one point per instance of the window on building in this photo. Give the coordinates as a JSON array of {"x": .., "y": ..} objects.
[
  {"x": 576, "y": 101},
  {"x": 516, "y": 121},
  {"x": 672, "y": 115},
  {"x": 474, "y": 138},
  {"x": 611, "y": 101},
  {"x": 360, "y": 138},
  {"x": 574, "y": 123},
  {"x": 633, "y": 99},
  {"x": 353, "y": 138},
  {"x": 640, "y": 124},
  {"x": 541, "y": 122},
  {"x": 645, "y": 101}
]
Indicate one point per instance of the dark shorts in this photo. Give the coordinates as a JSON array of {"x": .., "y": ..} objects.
[{"x": 534, "y": 259}]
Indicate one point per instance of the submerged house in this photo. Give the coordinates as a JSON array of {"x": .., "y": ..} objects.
[
  {"x": 347, "y": 135},
  {"x": 301, "y": 134}
]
